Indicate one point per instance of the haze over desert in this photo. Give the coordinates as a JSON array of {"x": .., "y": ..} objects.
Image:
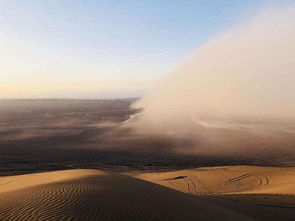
[{"x": 147, "y": 110}]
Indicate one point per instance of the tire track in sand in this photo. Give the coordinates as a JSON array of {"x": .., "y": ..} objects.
[{"x": 106, "y": 197}]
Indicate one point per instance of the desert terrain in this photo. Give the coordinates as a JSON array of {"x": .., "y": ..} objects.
[
  {"x": 147, "y": 110},
  {"x": 76, "y": 160},
  {"x": 45, "y": 135},
  {"x": 263, "y": 185},
  {"x": 199, "y": 194}
]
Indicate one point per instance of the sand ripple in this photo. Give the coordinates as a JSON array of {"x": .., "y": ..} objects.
[{"x": 101, "y": 196}]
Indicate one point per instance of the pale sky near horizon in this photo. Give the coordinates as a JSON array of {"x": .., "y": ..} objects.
[{"x": 104, "y": 48}]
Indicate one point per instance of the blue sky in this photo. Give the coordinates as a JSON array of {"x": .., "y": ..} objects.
[{"x": 104, "y": 48}]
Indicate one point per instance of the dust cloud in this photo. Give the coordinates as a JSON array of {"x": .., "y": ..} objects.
[{"x": 235, "y": 93}]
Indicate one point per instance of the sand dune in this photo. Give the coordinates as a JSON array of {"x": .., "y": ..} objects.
[
  {"x": 101, "y": 195},
  {"x": 98, "y": 195},
  {"x": 230, "y": 179},
  {"x": 271, "y": 185}
]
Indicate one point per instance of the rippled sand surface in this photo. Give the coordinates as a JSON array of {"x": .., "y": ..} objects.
[{"x": 97, "y": 195}]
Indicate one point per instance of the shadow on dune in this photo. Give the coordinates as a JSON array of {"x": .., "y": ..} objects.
[{"x": 118, "y": 197}]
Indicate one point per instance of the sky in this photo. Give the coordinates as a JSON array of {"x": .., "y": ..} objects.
[{"x": 105, "y": 48}]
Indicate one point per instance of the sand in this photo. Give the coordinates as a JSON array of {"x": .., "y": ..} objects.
[
  {"x": 102, "y": 195},
  {"x": 97, "y": 195},
  {"x": 267, "y": 185}
]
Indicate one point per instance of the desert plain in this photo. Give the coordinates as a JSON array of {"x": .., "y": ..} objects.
[{"x": 75, "y": 160}]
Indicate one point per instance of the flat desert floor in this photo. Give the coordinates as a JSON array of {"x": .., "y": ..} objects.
[
  {"x": 90, "y": 134},
  {"x": 227, "y": 193}
]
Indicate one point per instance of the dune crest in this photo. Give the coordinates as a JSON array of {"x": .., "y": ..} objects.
[
  {"x": 96, "y": 195},
  {"x": 13, "y": 183},
  {"x": 101, "y": 195}
]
